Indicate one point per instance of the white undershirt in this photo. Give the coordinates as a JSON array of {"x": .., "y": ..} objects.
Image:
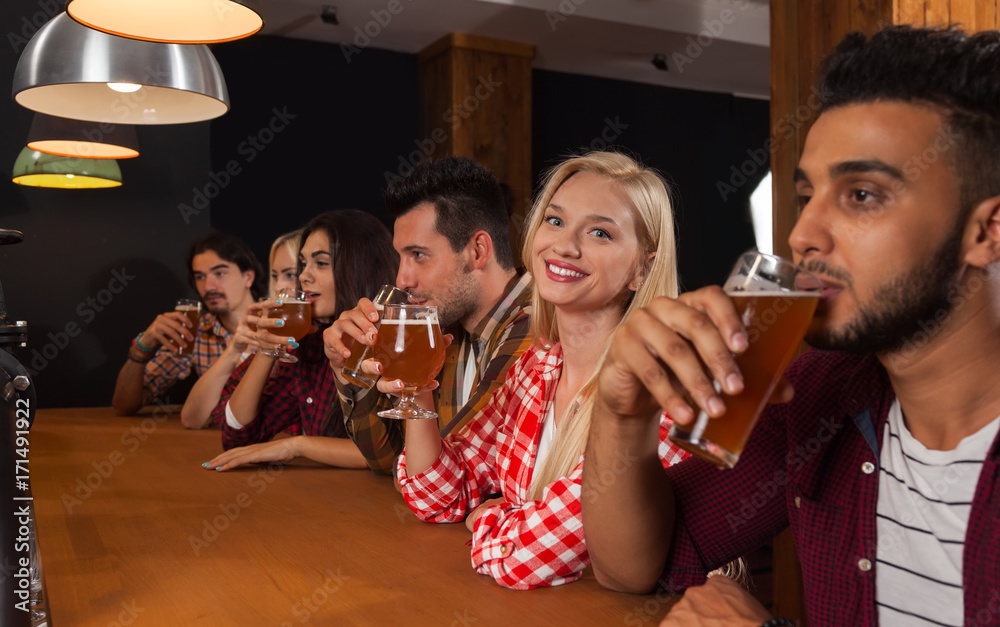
[
  {"x": 924, "y": 500},
  {"x": 547, "y": 437},
  {"x": 468, "y": 381}
]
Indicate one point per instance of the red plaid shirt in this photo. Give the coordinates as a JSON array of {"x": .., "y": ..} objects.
[
  {"x": 167, "y": 367},
  {"x": 522, "y": 543},
  {"x": 297, "y": 397},
  {"x": 813, "y": 464}
]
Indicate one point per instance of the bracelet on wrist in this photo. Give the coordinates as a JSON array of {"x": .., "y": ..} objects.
[
  {"x": 139, "y": 356},
  {"x": 778, "y": 622},
  {"x": 135, "y": 341}
]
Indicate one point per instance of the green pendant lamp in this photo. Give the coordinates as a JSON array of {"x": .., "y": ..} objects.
[{"x": 39, "y": 169}]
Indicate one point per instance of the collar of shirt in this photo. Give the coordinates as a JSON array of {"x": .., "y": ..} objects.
[{"x": 516, "y": 294}]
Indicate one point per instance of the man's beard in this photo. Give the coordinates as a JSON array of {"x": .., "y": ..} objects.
[
  {"x": 462, "y": 299},
  {"x": 221, "y": 305},
  {"x": 902, "y": 306}
]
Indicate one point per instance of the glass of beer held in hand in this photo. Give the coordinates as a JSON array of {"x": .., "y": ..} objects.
[
  {"x": 296, "y": 312},
  {"x": 388, "y": 295},
  {"x": 192, "y": 310},
  {"x": 411, "y": 349},
  {"x": 776, "y": 300}
]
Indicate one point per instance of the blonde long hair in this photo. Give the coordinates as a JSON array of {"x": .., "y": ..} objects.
[
  {"x": 289, "y": 241},
  {"x": 649, "y": 201}
]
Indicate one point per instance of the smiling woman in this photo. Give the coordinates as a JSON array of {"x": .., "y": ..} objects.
[{"x": 344, "y": 256}]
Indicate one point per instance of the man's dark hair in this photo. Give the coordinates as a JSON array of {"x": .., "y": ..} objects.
[
  {"x": 234, "y": 250},
  {"x": 361, "y": 253},
  {"x": 466, "y": 197},
  {"x": 945, "y": 68}
]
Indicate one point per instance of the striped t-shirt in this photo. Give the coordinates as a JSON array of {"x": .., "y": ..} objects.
[{"x": 924, "y": 499}]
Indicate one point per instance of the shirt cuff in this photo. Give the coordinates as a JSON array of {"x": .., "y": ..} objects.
[{"x": 231, "y": 419}]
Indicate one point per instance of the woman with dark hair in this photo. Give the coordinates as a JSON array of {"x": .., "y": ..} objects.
[{"x": 343, "y": 257}]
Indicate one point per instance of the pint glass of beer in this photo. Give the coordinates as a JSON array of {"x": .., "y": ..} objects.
[
  {"x": 192, "y": 310},
  {"x": 776, "y": 301},
  {"x": 359, "y": 352},
  {"x": 296, "y": 311},
  {"x": 411, "y": 349}
]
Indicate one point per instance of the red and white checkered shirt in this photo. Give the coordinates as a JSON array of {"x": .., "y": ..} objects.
[
  {"x": 167, "y": 367},
  {"x": 521, "y": 543}
]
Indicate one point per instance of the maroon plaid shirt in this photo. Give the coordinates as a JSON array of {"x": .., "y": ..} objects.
[
  {"x": 813, "y": 464},
  {"x": 296, "y": 395}
]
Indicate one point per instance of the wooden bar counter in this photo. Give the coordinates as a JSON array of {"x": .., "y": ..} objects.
[{"x": 133, "y": 531}]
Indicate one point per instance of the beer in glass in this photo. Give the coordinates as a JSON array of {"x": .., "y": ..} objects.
[
  {"x": 411, "y": 349},
  {"x": 192, "y": 311},
  {"x": 296, "y": 311},
  {"x": 360, "y": 352},
  {"x": 776, "y": 301}
]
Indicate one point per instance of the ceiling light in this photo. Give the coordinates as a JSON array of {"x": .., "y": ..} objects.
[
  {"x": 170, "y": 21},
  {"x": 66, "y": 67},
  {"x": 78, "y": 138},
  {"x": 38, "y": 169}
]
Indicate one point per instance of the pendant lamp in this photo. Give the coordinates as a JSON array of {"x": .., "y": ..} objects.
[
  {"x": 71, "y": 71},
  {"x": 39, "y": 169},
  {"x": 170, "y": 21},
  {"x": 78, "y": 138}
]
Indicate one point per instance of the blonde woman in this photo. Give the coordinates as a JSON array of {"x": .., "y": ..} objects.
[
  {"x": 599, "y": 243},
  {"x": 204, "y": 396}
]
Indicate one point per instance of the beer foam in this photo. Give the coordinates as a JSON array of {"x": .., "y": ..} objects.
[
  {"x": 770, "y": 292},
  {"x": 423, "y": 322},
  {"x": 187, "y": 308},
  {"x": 294, "y": 302}
]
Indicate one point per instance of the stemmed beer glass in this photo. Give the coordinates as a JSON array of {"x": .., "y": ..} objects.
[
  {"x": 296, "y": 311},
  {"x": 411, "y": 349},
  {"x": 388, "y": 295}
]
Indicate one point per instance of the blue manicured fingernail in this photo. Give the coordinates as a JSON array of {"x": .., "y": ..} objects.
[
  {"x": 218, "y": 467},
  {"x": 205, "y": 465},
  {"x": 291, "y": 340},
  {"x": 280, "y": 323},
  {"x": 277, "y": 302},
  {"x": 295, "y": 345}
]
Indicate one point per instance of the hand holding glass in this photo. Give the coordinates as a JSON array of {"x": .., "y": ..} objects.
[
  {"x": 410, "y": 348},
  {"x": 388, "y": 295},
  {"x": 296, "y": 312},
  {"x": 776, "y": 300}
]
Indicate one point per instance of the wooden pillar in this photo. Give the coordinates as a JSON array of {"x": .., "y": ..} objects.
[
  {"x": 801, "y": 34},
  {"x": 477, "y": 103}
]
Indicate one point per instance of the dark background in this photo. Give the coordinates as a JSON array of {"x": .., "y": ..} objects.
[{"x": 351, "y": 122}]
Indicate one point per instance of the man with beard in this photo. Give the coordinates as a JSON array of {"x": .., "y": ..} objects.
[
  {"x": 228, "y": 277},
  {"x": 885, "y": 463},
  {"x": 453, "y": 239}
]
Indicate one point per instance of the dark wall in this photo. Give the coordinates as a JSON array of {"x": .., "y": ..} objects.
[
  {"x": 258, "y": 171},
  {"x": 693, "y": 138},
  {"x": 351, "y": 121}
]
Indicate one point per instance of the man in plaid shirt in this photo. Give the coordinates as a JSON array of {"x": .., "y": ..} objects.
[
  {"x": 886, "y": 465},
  {"x": 452, "y": 235},
  {"x": 228, "y": 278}
]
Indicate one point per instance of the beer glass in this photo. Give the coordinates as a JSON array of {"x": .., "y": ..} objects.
[
  {"x": 411, "y": 349},
  {"x": 776, "y": 301},
  {"x": 192, "y": 310},
  {"x": 296, "y": 311},
  {"x": 360, "y": 352}
]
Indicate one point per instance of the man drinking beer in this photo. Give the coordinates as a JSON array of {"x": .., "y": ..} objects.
[
  {"x": 228, "y": 278},
  {"x": 885, "y": 464}
]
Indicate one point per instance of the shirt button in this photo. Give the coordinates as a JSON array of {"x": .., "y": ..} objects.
[
  {"x": 309, "y": 400},
  {"x": 503, "y": 549},
  {"x": 864, "y": 565},
  {"x": 868, "y": 468},
  {"x": 798, "y": 501}
]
